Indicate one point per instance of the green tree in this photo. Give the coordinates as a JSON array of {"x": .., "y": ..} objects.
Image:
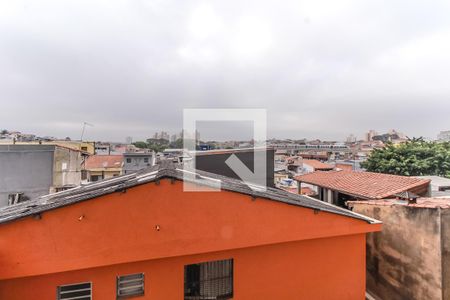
[
  {"x": 141, "y": 144},
  {"x": 157, "y": 145},
  {"x": 178, "y": 144},
  {"x": 414, "y": 158}
]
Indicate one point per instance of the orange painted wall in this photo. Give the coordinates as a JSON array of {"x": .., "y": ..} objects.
[
  {"x": 120, "y": 228},
  {"x": 331, "y": 268}
]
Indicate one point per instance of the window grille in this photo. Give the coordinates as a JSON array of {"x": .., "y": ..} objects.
[{"x": 209, "y": 280}]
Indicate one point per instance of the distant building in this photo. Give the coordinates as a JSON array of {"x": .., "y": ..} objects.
[
  {"x": 142, "y": 236},
  {"x": 351, "y": 138},
  {"x": 410, "y": 257},
  {"x": 312, "y": 165},
  {"x": 444, "y": 136},
  {"x": 99, "y": 167},
  {"x": 294, "y": 164},
  {"x": 319, "y": 155},
  {"x": 337, "y": 187},
  {"x": 135, "y": 161},
  {"x": 102, "y": 148},
  {"x": 30, "y": 171}
]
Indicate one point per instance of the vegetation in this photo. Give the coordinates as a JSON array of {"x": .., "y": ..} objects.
[
  {"x": 414, "y": 158},
  {"x": 158, "y": 145}
]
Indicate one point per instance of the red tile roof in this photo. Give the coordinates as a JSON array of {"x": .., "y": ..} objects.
[
  {"x": 307, "y": 191},
  {"x": 421, "y": 202},
  {"x": 366, "y": 185},
  {"x": 317, "y": 165},
  {"x": 103, "y": 161}
]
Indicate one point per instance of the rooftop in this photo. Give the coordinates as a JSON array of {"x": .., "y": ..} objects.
[
  {"x": 231, "y": 151},
  {"x": 154, "y": 174},
  {"x": 138, "y": 154},
  {"x": 421, "y": 202},
  {"x": 316, "y": 164},
  {"x": 365, "y": 185},
  {"x": 437, "y": 181},
  {"x": 103, "y": 161}
]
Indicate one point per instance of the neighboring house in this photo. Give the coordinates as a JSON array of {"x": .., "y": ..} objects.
[
  {"x": 86, "y": 147},
  {"x": 294, "y": 164},
  {"x": 312, "y": 165},
  {"x": 337, "y": 187},
  {"x": 143, "y": 235},
  {"x": 135, "y": 161},
  {"x": 410, "y": 258},
  {"x": 440, "y": 186},
  {"x": 99, "y": 167},
  {"x": 30, "y": 171},
  {"x": 320, "y": 155},
  {"x": 113, "y": 148},
  {"x": 214, "y": 161}
]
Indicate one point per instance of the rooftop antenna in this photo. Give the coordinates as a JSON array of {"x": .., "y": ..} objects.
[{"x": 84, "y": 127}]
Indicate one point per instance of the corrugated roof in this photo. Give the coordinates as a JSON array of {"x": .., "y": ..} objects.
[
  {"x": 154, "y": 173},
  {"x": 366, "y": 185}
]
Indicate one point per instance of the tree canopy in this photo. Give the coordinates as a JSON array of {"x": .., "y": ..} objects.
[{"x": 416, "y": 157}]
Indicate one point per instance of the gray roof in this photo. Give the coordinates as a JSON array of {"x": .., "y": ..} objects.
[
  {"x": 155, "y": 173},
  {"x": 437, "y": 181}
]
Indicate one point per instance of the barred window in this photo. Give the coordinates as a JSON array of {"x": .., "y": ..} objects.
[
  {"x": 78, "y": 291},
  {"x": 130, "y": 285},
  {"x": 209, "y": 280}
]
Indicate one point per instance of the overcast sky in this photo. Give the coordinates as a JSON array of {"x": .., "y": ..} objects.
[{"x": 322, "y": 69}]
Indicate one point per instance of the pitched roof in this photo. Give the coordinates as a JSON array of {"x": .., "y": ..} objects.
[
  {"x": 103, "y": 161},
  {"x": 317, "y": 165},
  {"x": 155, "y": 173},
  {"x": 365, "y": 185}
]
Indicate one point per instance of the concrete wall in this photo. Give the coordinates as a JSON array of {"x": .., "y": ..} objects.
[
  {"x": 215, "y": 163},
  {"x": 404, "y": 260},
  {"x": 135, "y": 162},
  {"x": 25, "y": 170},
  {"x": 36, "y": 170},
  {"x": 445, "y": 252},
  {"x": 66, "y": 167}
]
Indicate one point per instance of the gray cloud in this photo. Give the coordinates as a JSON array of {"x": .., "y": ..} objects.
[{"x": 321, "y": 68}]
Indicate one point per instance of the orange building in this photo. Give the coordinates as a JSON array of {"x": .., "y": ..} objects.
[{"x": 142, "y": 235}]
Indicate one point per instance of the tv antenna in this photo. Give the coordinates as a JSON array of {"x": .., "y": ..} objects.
[{"x": 84, "y": 127}]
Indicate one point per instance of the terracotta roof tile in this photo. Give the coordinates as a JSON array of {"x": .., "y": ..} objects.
[
  {"x": 316, "y": 164},
  {"x": 366, "y": 185},
  {"x": 103, "y": 161},
  {"x": 421, "y": 202}
]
